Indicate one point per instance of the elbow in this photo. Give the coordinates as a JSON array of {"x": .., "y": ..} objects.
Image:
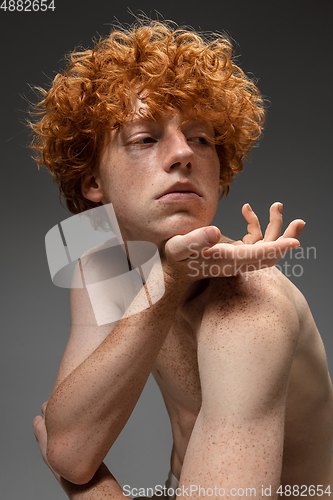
[{"x": 71, "y": 466}]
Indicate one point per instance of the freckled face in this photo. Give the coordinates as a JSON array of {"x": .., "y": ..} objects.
[{"x": 162, "y": 177}]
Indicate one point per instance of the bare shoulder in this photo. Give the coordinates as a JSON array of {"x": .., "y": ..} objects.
[
  {"x": 265, "y": 295},
  {"x": 258, "y": 318},
  {"x": 109, "y": 285}
]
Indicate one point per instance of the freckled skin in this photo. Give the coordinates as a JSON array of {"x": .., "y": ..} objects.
[
  {"x": 278, "y": 325},
  {"x": 239, "y": 360},
  {"x": 133, "y": 190}
]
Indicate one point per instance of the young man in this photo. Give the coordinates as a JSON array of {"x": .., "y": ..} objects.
[{"x": 157, "y": 123}]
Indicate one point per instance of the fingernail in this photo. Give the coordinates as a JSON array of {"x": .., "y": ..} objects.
[
  {"x": 211, "y": 235},
  {"x": 249, "y": 207},
  {"x": 280, "y": 208}
]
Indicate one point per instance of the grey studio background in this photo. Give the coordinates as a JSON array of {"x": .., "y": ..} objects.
[{"x": 287, "y": 45}]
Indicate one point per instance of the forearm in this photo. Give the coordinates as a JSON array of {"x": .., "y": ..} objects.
[{"x": 89, "y": 408}]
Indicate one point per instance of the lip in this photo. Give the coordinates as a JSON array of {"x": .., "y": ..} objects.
[{"x": 180, "y": 191}]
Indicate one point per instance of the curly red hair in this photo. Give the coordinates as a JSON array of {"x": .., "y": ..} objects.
[{"x": 168, "y": 69}]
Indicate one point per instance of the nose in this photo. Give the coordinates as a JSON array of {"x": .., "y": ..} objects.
[{"x": 178, "y": 153}]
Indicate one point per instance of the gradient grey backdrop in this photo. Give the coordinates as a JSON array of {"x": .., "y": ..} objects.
[{"x": 287, "y": 45}]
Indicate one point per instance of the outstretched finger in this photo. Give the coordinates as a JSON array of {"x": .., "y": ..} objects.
[
  {"x": 253, "y": 226},
  {"x": 274, "y": 227},
  {"x": 249, "y": 254},
  {"x": 181, "y": 247},
  {"x": 294, "y": 229}
]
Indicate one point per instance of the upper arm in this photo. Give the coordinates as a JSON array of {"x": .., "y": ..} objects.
[
  {"x": 108, "y": 289},
  {"x": 245, "y": 359},
  {"x": 85, "y": 335},
  {"x": 245, "y": 352}
]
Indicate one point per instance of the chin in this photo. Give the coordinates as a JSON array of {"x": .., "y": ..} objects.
[
  {"x": 162, "y": 229},
  {"x": 182, "y": 227}
]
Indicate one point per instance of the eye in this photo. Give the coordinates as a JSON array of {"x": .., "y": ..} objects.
[
  {"x": 199, "y": 140},
  {"x": 144, "y": 140}
]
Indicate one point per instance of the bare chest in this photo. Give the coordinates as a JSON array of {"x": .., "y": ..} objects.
[{"x": 176, "y": 369}]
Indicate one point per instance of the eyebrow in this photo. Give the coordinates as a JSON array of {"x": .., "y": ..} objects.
[
  {"x": 142, "y": 120},
  {"x": 200, "y": 123},
  {"x": 137, "y": 121}
]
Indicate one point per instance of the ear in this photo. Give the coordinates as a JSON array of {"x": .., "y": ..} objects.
[{"x": 91, "y": 187}]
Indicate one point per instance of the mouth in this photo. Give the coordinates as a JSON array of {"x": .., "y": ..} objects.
[{"x": 180, "y": 191}]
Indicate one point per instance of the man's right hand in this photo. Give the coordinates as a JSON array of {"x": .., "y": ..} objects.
[{"x": 204, "y": 252}]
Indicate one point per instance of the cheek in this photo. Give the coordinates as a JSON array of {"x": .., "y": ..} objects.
[
  {"x": 122, "y": 190},
  {"x": 114, "y": 182},
  {"x": 215, "y": 169}
]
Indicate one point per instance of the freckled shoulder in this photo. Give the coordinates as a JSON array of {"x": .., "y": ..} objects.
[{"x": 260, "y": 296}]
